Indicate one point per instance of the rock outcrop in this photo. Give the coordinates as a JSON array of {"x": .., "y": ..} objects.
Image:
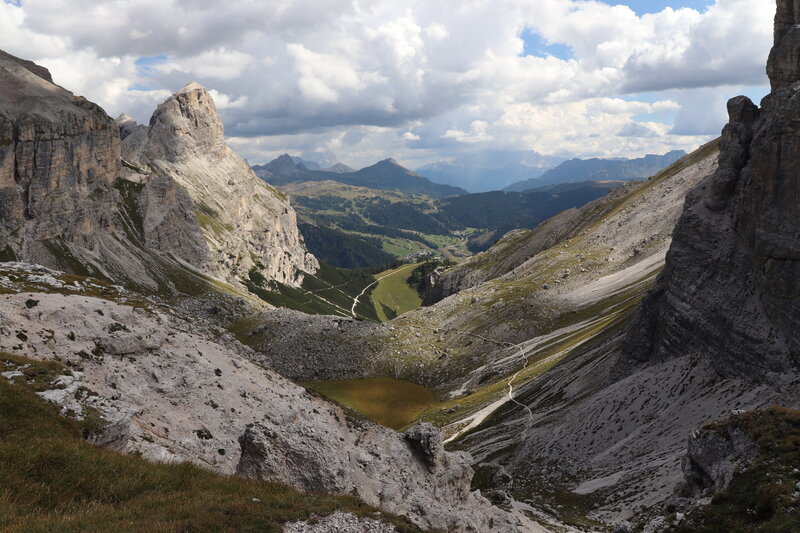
[
  {"x": 731, "y": 289},
  {"x": 408, "y": 474},
  {"x": 247, "y": 224},
  {"x": 59, "y": 156},
  {"x": 712, "y": 457}
]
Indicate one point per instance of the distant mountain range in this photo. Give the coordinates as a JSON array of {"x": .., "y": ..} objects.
[
  {"x": 387, "y": 175},
  {"x": 490, "y": 170},
  {"x": 356, "y": 227},
  {"x": 337, "y": 167},
  {"x": 578, "y": 170}
]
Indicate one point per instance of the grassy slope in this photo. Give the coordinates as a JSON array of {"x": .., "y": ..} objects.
[
  {"x": 330, "y": 291},
  {"x": 389, "y": 402},
  {"x": 52, "y": 480},
  {"x": 312, "y": 202},
  {"x": 393, "y": 292}
]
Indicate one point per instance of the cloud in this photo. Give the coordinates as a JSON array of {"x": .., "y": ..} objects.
[
  {"x": 636, "y": 129},
  {"x": 477, "y": 133},
  {"x": 449, "y": 75},
  {"x": 702, "y": 112}
]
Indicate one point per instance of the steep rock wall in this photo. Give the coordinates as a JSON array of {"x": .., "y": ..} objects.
[
  {"x": 731, "y": 288},
  {"x": 247, "y": 224},
  {"x": 59, "y": 155}
]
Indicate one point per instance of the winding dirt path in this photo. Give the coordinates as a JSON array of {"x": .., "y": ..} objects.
[
  {"x": 355, "y": 300},
  {"x": 478, "y": 417}
]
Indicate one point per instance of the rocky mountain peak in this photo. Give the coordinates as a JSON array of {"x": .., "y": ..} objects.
[
  {"x": 127, "y": 125},
  {"x": 285, "y": 159},
  {"x": 285, "y": 166},
  {"x": 247, "y": 224},
  {"x": 191, "y": 87},
  {"x": 783, "y": 66},
  {"x": 125, "y": 119},
  {"x": 185, "y": 126}
]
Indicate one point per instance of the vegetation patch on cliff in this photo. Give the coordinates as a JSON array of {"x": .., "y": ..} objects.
[{"x": 766, "y": 496}]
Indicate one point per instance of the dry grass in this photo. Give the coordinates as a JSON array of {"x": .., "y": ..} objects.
[{"x": 389, "y": 402}]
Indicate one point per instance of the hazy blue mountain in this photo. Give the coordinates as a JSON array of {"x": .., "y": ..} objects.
[
  {"x": 340, "y": 168},
  {"x": 576, "y": 170},
  {"x": 310, "y": 165},
  {"x": 489, "y": 170},
  {"x": 387, "y": 175}
]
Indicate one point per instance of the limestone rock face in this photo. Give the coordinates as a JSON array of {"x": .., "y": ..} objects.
[
  {"x": 731, "y": 288},
  {"x": 783, "y": 66},
  {"x": 391, "y": 471},
  {"x": 59, "y": 154},
  {"x": 169, "y": 222},
  {"x": 246, "y": 223},
  {"x": 713, "y": 457}
]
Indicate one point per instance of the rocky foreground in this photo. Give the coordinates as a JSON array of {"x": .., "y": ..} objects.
[{"x": 171, "y": 389}]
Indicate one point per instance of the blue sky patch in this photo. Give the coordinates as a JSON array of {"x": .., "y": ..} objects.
[
  {"x": 640, "y": 7},
  {"x": 146, "y": 68},
  {"x": 535, "y": 45}
]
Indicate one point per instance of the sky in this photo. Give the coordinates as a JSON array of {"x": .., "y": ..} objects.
[{"x": 416, "y": 80}]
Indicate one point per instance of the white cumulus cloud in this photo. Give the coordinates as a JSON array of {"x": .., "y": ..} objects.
[{"x": 413, "y": 79}]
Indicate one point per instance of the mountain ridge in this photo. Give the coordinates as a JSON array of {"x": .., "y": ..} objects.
[
  {"x": 489, "y": 170},
  {"x": 384, "y": 175},
  {"x": 595, "y": 169}
]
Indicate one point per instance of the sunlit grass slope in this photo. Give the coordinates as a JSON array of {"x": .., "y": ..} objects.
[{"x": 393, "y": 296}]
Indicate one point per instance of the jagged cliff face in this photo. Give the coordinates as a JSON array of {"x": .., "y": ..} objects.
[
  {"x": 59, "y": 155},
  {"x": 186, "y": 207},
  {"x": 731, "y": 289},
  {"x": 246, "y": 223}
]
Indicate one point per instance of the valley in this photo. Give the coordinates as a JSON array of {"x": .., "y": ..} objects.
[{"x": 192, "y": 342}]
